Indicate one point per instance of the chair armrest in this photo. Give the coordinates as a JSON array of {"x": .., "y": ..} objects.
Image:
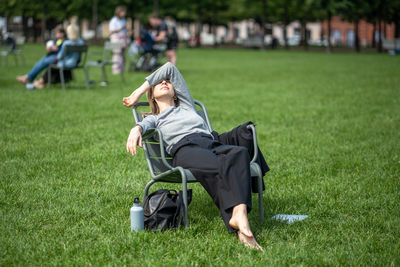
[
  {"x": 252, "y": 128},
  {"x": 141, "y": 104},
  {"x": 150, "y": 133}
]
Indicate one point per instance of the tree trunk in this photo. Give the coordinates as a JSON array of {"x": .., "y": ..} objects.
[
  {"x": 397, "y": 28},
  {"x": 304, "y": 40},
  {"x": 384, "y": 30},
  {"x": 263, "y": 22},
  {"x": 94, "y": 18},
  {"x": 43, "y": 29},
  {"x": 285, "y": 27},
  {"x": 356, "y": 37},
  {"x": 380, "y": 35},
  {"x": 373, "y": 36},
  {"x": 131, "y": 14},
  {"x": 25, "y": 29},
  {"x": 285, "y": 39},
  {"x": 214, "y": 31},
  {"x": 198, "y": 32},
  {"x": 329, "y": 32},
  {"x": 35, "y": 30},
  {"x": 155, "y": 7}
]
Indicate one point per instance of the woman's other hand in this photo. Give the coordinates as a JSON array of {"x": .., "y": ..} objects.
[{"x": 134, "y": 140}]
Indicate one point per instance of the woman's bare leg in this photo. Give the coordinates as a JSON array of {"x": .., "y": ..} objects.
[{"x": 240, "y": 222}]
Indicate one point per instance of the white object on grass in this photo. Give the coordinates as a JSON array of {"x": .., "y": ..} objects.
[
  {"x": 29, "y": 86},
  {"x": 289, "y": 218}
]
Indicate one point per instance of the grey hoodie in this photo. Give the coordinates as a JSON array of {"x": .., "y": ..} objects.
[{"x": 174, "y": 122}]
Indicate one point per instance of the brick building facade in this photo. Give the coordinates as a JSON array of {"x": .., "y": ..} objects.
[{"x": 343, "y": 32}]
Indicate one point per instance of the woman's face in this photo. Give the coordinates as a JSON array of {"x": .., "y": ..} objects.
[
  {"x": 164, "y": 89},
  {"x": 121, "y": 14},
  {"x": 60, "y": 35}
]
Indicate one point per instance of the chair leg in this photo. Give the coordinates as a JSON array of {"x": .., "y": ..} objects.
[
  {"x": 146, "y": 189},
  {"x": 62, "y": 78},
  {"x": 122, "y": 74},
  {"x": 48, "y": 77},
  {"x": 260, "y": 196},
  {"x": 185, "y": 200},
  {"x": 16, "y": 59},
  {"x": 23, "y": 60},
  {"x": 87, "y": 78},
  {"x": 103, "y": 73}
]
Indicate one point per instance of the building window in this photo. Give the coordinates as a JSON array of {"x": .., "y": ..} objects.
[
  {"x": 336, "y": 37},
  {"x": 376, "y": 35},
  {"x": 350, "y": 37}
]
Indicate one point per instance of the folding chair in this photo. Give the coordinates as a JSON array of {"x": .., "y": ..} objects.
[
  {"x": 109, "y": 47},
  {"x": 82, "y": 50},
  {"x": 18, "y": 51},
  {"x": 160, "y": 163}
]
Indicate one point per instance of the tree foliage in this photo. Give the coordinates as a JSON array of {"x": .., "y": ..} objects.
[{"x": 211, "y": 11}]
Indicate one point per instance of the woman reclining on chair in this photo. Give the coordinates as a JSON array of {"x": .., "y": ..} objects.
[{"x": 222, "y": 169}]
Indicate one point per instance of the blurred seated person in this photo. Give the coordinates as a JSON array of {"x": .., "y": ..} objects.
[
  {"x": 164, "y": 33},
  {"x": 52, "y": 48},
  {"x": 69, "y": 60},
  {"x": 146, "y": 39}
]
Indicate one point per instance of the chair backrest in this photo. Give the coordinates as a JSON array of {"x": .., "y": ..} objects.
[
  {"x": 81, "y": 49},
  {"x": 20, "y": 40},
  {"x": 109, "y": 48},
  {"x": 151, "y": 146},
  {"x": 112, "y": 45}
]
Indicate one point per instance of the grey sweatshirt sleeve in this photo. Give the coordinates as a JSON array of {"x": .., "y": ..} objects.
[
  {"x": 169, "y": 71},
  {"x": 148, "y": 122}
]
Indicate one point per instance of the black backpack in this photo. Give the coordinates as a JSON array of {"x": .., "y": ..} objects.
[{"x": 163, "y": 209}]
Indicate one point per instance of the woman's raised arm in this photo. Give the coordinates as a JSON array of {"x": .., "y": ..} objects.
[{"x": 169, "y": 71}]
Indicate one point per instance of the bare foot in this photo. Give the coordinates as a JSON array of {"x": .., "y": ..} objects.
[
  {"x": 249, "y": 241},
  {"x": 22, "y": 79},
  {"x": 239, "y": 220},
  {"x": 38, "y": 84}
]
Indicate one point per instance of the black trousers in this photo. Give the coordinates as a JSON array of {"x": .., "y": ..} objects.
[{"x": 222, "y": 169}]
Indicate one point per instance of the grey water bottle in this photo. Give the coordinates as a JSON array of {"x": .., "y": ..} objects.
[{"x": 137, "y": 216}]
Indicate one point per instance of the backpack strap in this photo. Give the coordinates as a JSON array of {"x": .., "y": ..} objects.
[{"x": 179, "y": 211}]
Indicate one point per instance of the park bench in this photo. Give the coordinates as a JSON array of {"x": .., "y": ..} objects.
[{"x": 391, "y": 44}]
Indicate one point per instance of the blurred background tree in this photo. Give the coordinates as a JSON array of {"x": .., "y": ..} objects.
[{"x": 45, "y": 14}]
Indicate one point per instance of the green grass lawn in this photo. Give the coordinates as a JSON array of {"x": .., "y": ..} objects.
[{"x": 329, "y": 126}]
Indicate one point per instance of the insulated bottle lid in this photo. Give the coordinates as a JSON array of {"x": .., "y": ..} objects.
[{"x": 136, "y": 201}]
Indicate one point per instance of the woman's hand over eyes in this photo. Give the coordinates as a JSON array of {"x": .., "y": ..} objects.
[
  {"x": 132, "y": 99},
  {"x": 135, "y": 96},
  {"x": 134, "y": 140}
]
